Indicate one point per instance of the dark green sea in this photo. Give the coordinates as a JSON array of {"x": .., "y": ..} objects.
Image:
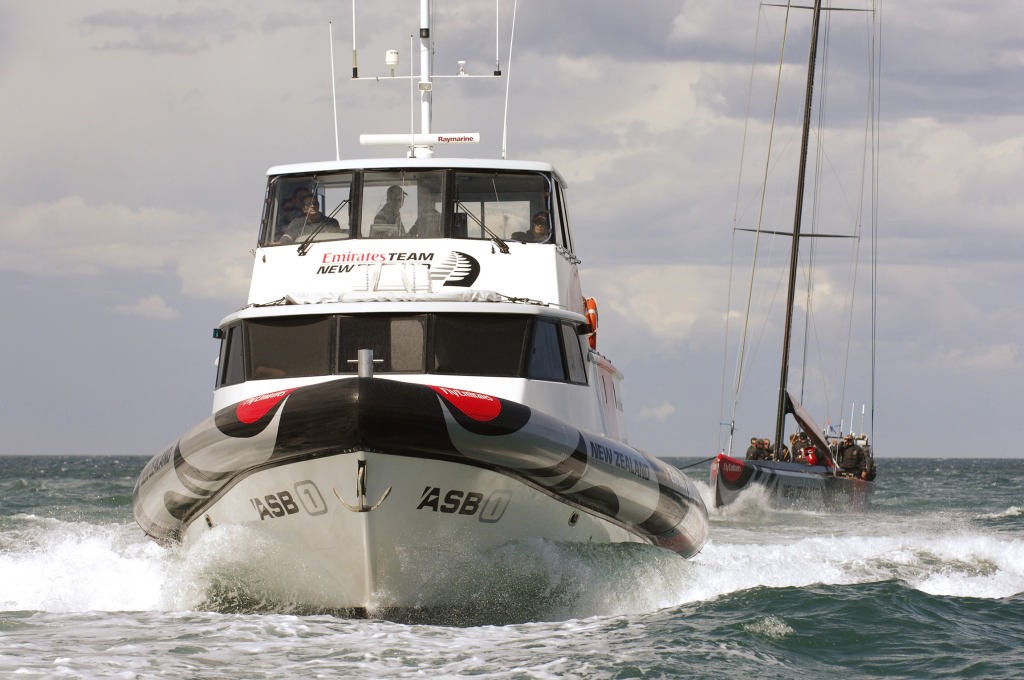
[{"x": 928, "y": 584}]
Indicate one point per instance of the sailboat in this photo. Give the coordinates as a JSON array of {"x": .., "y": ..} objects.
[
  {"x": 412, "y": 385},
  {"x": 815, "y": 468}
]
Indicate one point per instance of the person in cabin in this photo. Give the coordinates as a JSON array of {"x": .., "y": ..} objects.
[
  {"x": 391, "y": 213},
  {"x": 428, "y": 222},
  {"x": 311, "y": 220},
  {"x": 292, "y": 207},
  {"x": 540, "y": 230},
  {"x": 851, "y": 458}
]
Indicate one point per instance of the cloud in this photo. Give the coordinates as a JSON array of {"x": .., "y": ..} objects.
[
  {"x": 73, "y": 237},
  {"x": 181, "y": 32},
  {"x": 151, "y": 307},
  {"x": 658, "y": 412},
  {"x": 673, "y": 302}
]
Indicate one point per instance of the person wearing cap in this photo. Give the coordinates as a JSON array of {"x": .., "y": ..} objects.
[
  {"x": 851, "y": 458},
  {"x": 292, "y": 208},
  {"x": 311, "y": 220},
  {"x": 391, "y": 213},
  {"x": 428, "y": 219},
  {"x": 540, "y": 230}
]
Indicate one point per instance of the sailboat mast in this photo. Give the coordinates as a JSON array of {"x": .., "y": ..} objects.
[{"x": 797, "y": 215}]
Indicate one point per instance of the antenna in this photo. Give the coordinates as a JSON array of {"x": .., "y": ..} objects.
[
  {"x": 497, "y": 33},
  {"x": 420, "y": 144},
  {"x": 355, "y": 66},
  {"x": 508, "y": 84},
  {"x": 334, "y": 93}
]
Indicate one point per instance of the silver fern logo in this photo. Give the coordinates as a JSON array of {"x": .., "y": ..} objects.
[{"x": 458, "y": 269}]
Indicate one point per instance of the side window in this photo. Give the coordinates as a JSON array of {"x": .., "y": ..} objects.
[
  {"x": 560, "y": 220},
  {"x": 546, "y": 352},
  {"x": 231, "y": 367},
  {"x": 289, "y": 347},
  {"x": 574, "y": 354}
]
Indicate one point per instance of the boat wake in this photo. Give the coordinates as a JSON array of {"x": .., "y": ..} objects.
[{"x": 58, "y": 566}]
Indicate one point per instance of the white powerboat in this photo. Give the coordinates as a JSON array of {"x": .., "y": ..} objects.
[{"x": 414, "y": 376}]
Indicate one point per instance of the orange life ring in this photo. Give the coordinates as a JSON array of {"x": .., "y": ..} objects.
[{"x": 590, "y": 305}]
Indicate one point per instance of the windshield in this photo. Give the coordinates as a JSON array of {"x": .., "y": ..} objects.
[{"x": 408, "y": 203}]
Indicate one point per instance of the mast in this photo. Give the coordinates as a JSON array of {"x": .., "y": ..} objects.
[
  {"x": 426, "y": 68},
  {"x": 780, "y": 419}
]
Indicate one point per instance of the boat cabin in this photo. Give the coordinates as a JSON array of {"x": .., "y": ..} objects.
[
  {"x": 434, "y": 265},
  {"x": 420, "y": 226}
]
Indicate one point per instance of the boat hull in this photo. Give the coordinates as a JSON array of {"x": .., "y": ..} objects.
[
  {"x": 789, "y": 485},
  {"x": 368, "y": 487}
]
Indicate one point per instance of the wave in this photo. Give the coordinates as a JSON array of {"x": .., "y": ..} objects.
[
  {"x": 59, "y": 566},
  {"x": 1012, "y": 511}
]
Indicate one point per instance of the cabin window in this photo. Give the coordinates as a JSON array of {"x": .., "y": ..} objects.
[
  {"x": 402, "y": 204},
  {"x": 287, "y": 222},
  {"x": 232, "y": 362},
  {"x": 546, "y": 353},
  {"x": 499, "y": 204},
  {"x": 289, "y": 347},
  {"x": 474, "y": 344},
  {"x": 511, "y": 345},
  {"x": 397, "y": 342},
  {"x": 560, "y": 219},
  {"x": 574, "y": 354}
]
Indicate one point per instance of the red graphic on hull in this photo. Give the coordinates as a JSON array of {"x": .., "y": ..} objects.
[
  {"x": 729, "y": 469},
  {"x": 251, "y": 410},
  {"x": 479, "y": 407}
]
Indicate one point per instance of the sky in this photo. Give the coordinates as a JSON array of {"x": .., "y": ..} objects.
[{"x": 136, "y": 137}]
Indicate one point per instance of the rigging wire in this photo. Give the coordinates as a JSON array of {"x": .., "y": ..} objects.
[
  {"x": 876, "y": 148},
  {"x": 732, "y": 250},
  {"x": 867, "y": 153},
  {"x": 757, "y": 239},
  {"x": 819, "y": 145},
  {"x": 508, "y": 83}
]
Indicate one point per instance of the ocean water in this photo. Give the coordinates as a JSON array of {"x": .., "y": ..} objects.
[{"x": 928, "y": 584}]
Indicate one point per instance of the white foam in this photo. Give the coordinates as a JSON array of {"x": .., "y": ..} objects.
[
  {"x": 56, "y": 566},
  {"x": 72, "y": 566},
  {"x": 1012, "y": 511}
]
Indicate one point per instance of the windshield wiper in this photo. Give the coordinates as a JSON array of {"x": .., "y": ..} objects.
[
  {"x": 495, "y": 239},
  {"x": 305, "y": 245}
]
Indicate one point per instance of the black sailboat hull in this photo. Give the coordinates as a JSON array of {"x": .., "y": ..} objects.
[{"x": 789, "y": 485}]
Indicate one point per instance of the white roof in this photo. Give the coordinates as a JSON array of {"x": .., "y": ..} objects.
[
  {"x": 403, "y": 306},
  {"x": 414, "y": 163}
]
